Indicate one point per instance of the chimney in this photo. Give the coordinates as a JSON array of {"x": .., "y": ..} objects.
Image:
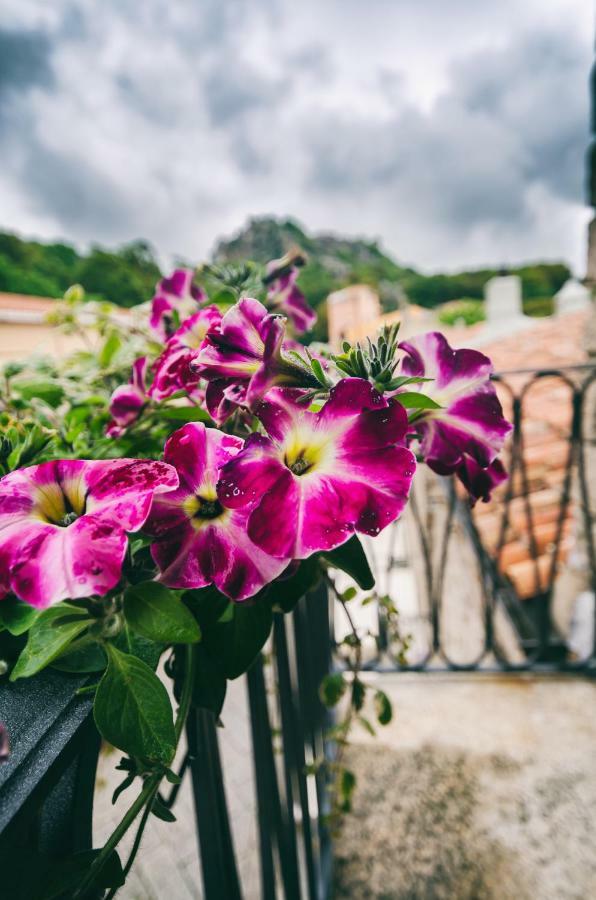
[
  {"x": 572, "y": 297},
  {"x": 503, "y": 300}
]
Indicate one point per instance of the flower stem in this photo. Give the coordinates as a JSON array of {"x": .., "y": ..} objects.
[
  {"x": 147, "y": 795},
  {"x": 117, "y": 835},
  {"x": 187, "y": 686},
  {"x": 138, "y": 837}
]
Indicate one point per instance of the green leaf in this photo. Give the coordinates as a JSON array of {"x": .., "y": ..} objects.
[
  {"x": 50, "y": 392},
  {"x": 383, "y": 708},
  {"x": 162, "y": 812},
  {"x": 347, "y": 784},
  {"x": 172, "y": 777},
  {"x": 358, "y": 694},
  {"x": 35, "y": 441},
  {"x": 224, "y": 298},
  {"x": 84, "y": 655},
  {"x": 16, "y": 616},
  {"x": 402, "y": 380},
  {"x": 207, "y": 604},
  {"x": 159, "y": 614},
  {"x": 367, "y": 726},
  {"x": 132, "y": 709},
  {"x": 47, "y": 640},
  {"x": 351, "y": 559},
  {"x": 111, "y": 345},
  {"x": 184, "y": 414},
  {"x": 237, "y": 642},
  {"x": 332, "y": 689},
  {"x": 63, "y": 879},
  {"x": 413, "y": 400},
  {"x": 318, "y": 372},
  {"x": 286, "y": 592},
  {"x": 141, "y": 647}
]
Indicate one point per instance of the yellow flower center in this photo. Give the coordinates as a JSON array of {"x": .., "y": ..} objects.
[
  {"x": 61, "y": 504},
  {"x": 305, "y": 452},
  {"x": 203, "y": 508},
  {"x": 194, "y": 338}
]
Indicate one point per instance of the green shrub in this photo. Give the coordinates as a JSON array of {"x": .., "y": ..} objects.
[
  {"x": 466, "y": 311},
  {"x": 538, "y": 306}
]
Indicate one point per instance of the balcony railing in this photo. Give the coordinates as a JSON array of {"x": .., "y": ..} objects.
[{"x": 509, "y": 585}]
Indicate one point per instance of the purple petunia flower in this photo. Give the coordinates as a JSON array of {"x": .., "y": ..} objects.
[
  {"x": 200, "y": 540},
  {"x": 176, "y": 294},
  {"x": 479, "y": 482},
  {"x": 319, "y": 477},
  {"x": 470, "y": 424},
  {"x": 224, "y": 397},
  {"x": 128, "y": 400},
  {"x": 63, "y": 524},
  {"x": 248, "y": 351},
  {"x": 172, "y": 368},
  {"x": 286, "y": 297}
]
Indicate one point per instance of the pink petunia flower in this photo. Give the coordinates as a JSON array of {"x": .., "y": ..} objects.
[
  {"x": 172, "y": 368},
  {"x": 128, "y": 400},
  {"x": 63, "y": 524},
  {"x": 285, "y": 297},
  {"x": 319, "y": 477},
  {"x": 470, "y": 423},
  {"x": 249, "y": 351},
  {"x": 177, "y": 294},
  {"x": 200, "y": 540}
]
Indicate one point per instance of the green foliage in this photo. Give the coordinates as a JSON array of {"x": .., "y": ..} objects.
[
  {"x": 285, "y": 593},
  {"x": 126, "y": 276},
  {"x": 332, "y": 689},
  {"x": 351, "y": 558},
  {"x": 132, "y": 709},
  {"x": 84, "y": 655},
  {"x": 383, "y": 708},
  {"x": 538, "y": 279},
  {"x": 413, "y": 400},
  {"x": 16, "y": 616},
  {"x": 49, "y": 636},
  {"x": 238, "y": 636},
  {"x": 538, "y": 306},
  {"x": 347, "y": 785},
  {"x": 465, "y": 311},
  {"x": 159, "y": 614}
]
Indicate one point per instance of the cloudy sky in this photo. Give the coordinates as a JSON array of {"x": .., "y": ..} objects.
[{"x": 452, "y": 130}]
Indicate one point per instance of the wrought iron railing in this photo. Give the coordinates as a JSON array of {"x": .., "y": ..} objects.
[
  {"x": 512, "y": 560},
  {"x": 47, "y": 786}
]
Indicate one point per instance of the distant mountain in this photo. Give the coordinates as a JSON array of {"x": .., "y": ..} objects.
[{"x": 334, "y": 262}]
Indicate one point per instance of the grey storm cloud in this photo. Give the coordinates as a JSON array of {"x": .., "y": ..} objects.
[
  {"x": 234, "y": 91},
  {"x": 454, "y": 132},
  {"x": 76, "y": 191},
  {"x": 24, "y": 59},
  {"x": 472, "y": 156}
]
